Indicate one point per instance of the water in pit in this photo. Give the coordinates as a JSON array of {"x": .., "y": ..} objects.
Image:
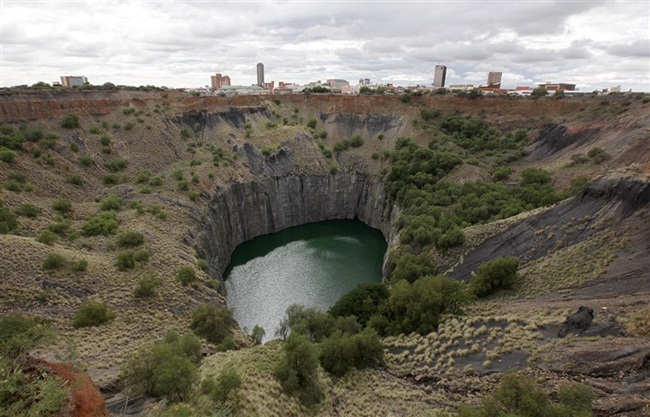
[{"x": 313, "y": 265}]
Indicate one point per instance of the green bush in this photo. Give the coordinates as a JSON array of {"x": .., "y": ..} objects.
[
  {"x": 186, "y": 275},
  {"x": 535, "y": 176},
  {"x": 80, "y": 266},
  {"x": 225, "y": 388},
  {"x": 156, "y": 181},
  {"x": 258, "y": 334},
  {"x": 312, "y": 123},
  {"x": 341, "y": 145},
  {"x": 7, "y": 219},
  {"x": 71, "y": 121},
  {"x": 166, "y": 368},
  {"x": 296, "y": 371},
  {"x": 356, "y": 141},
  {"x": 147, "y": 285},
  {"x": 116, "y": 165},
  {"x": 111, "y": 179},
  {"x": 102, "y": 224},
  {"x": 519, "y": 395},
  {"x": 54, "y": 261},
  {"x": 499, "y": 273},
  {"x": 63, "y": 206},
  {"x": 85, "y": 160},
  {"x": 212, "y": 323},
  {"x": 362, "y": 302},
  {"x": 105, "y": 140},
  {"x": 410, "y": 267},
  {"x": 7, "y": 156},
  {"x": 129, "y": 239},
  {"x": 202, "y": 264},
  {"x": 94, "y": 130},
  {"x": 598, "y": 155},
  {"x": 143, "y": 177},
  {"x": 111, "y": 202},
  {"x": 19, "y": 334},
  {"x": 127, "y": 259},
  {"x": 47, "y": 237},
  {"x": 343, "y": 351},
  {"x": 501, "y": 173},
  {"x": 92, "y": 313},
  {"x": 74, "y": 179},
  {"x": 28, "y": 210},
  {"x": 61, "y": 228}
]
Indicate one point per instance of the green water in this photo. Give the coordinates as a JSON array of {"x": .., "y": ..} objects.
[{"x": 312, "y": 265}]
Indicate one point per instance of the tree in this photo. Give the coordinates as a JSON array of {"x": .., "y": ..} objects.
[
  {"x": 362, "y": 302},
  {"x": 173, "y": 378},
  {"x": 539, "y": 92},
  {"x": 296, "y": 371},
  {"x": 258, "y": 334},
  {"x": 342, "y": 351},
  {"x": 499, "y": 273},
  {"x": 212, "y": 323},
  {"x": 92, "y": 313}
]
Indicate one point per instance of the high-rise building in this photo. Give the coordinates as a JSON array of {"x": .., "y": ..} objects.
[
  {"x": 439, "y": 76},
  {"x": 260, "y": 74},
  {"x": 73, "y": 80},
  {"x": 218, "y": 80},
  {"x": 494, "y": 80}
]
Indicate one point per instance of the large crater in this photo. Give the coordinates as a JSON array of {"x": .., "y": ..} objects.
[{"x": 243, "y": 211}]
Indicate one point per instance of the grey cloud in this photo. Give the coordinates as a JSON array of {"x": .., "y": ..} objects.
[{"x": 639, "y": 48}]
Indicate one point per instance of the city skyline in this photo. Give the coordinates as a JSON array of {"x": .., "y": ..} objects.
[{"x": 594, "y": 45}]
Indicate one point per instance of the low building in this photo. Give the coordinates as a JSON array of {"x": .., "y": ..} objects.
[
  {"x": 337, "y": 83},
  {"x": 73, "y": 80},
  {"x": 461, "y": 87},
  {"x": 558, "y": 86}
]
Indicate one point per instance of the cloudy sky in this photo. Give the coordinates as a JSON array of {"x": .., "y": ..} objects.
[{"x": 594, "y": 44}]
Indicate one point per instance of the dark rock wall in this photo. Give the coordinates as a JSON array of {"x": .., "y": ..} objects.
[{"x": 244, "y": 211}]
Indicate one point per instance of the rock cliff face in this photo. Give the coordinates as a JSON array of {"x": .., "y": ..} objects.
[{"x": 243, "y": 211}]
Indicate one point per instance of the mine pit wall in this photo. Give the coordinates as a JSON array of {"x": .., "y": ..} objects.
[{"x": 244, "y": 211}]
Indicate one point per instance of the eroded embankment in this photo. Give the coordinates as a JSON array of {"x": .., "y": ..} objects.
[
  {"x": 613, "y": 208},
  {"x": 243, "y": 211}
]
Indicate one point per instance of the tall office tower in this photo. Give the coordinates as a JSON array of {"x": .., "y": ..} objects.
[
  {"x": 260, "y": 74},
  {"x": 494, "y": 80},
  {"x": 439, "y": 75}
]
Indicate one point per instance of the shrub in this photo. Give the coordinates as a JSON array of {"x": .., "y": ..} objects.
[
  {"x": 129, "y": 239},
  {"x": 111, "y": 202},
  {"x": 80, "y": 266},
  {"x": 143, "y": 177},
  {"x": 224, "y": 388},
  {"x": 501, "y": 173},
  {"x": 202, "y": 264},
  {"x": 341, "y": 145},
  {"x": 128, "y": 126},
  {"x": 61, "y": 228},
  {"x": 102, "y": 224},
  {"x": 535, "y": 176},
  {"x": 258, "y": 334},
  {"x": 19, "y": 333},
  {"x": 156, "y": 181},
  {"x": 7, "y": 220},
  {"x": 111, "y": 179},
  {"x": 356, "y": 141},
  {"x": 85, "y": 160},
  {"x": 519, "y": 395},
  {"x": 342, "y": 351},
  {"x": 186, "y": 275},
  {"x": 71, "y": 121},
  {"x": 116, "y": 165},
  {"x": 362, "y": 302},
  {"x": 47, "y": 237},
  {"x": 94, "y": 130},
  {"x": 296, "y": 371},
  {"x": 74, "y": 179},
  {"x": 598, "y": 155},
  {"x": 7, "y": 156},
  {"x": 28, "y": 210},
  {"x": 54, "y": 261},
  {"x": 105, "y": 140},
  {"x": 63, "y": 206},
  {"x": 92, "y": 313},
  {"x": 410, "y": 267},
  {"x": 146, "y": 287},
  {"x": 499, "y": 273},
  {"x": 166, "y": 368},
  {"x": 312, "y": 123},
  {"x": 212, "y": 323}
]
